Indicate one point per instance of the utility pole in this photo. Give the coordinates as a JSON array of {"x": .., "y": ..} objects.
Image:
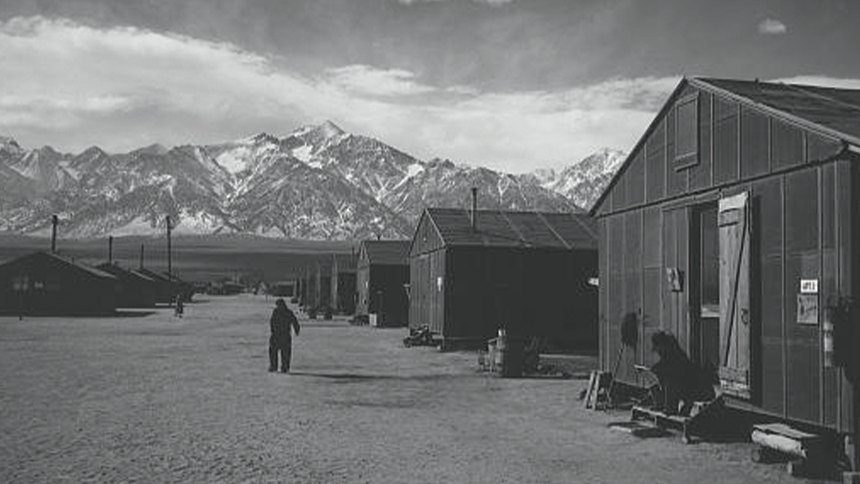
[
  {"x": 54, "y": 222},
  {"x": 169, "y": 255}
]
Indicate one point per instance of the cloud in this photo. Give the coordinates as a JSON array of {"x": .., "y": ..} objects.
[
  {"x": 58, "y": 68},
  {"x": 364, "y": 79},
  {"x": 121, "y": 88},
  {"x": 821, "y": 80},
  {"x": 517, "y": 132},
  {"x": 771, "y": 26}
]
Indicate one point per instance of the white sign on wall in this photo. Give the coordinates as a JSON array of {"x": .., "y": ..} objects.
[{"x": 809, "y": 286}]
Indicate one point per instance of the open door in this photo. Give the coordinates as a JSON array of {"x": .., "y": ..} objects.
[
  {"x": 734, "y": 230},
  {"x": 705, "y": 286}
]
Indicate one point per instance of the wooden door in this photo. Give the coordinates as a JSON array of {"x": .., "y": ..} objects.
[{"x": 734, "y": 230}]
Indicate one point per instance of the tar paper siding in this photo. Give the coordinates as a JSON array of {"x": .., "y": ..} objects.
[
  {"x": 467, "y": 292},
  {"x": 380, "y": 290},
  {"x": 363, "y": 290},
  {"x": 531, "y": 292},
  {"x": 132, "y": 290},
  {"x": 304, "y": 289},
  {"x": 800, "y": 187},
  {"x": 313, "y": 286},
  {"x": 427, "y": 276},
  {"x": 323, "y": 286},
  {"x": 42, "y": 284},
  {"x": 166, "y": 290},
  {"x": 343, "y": 280}
]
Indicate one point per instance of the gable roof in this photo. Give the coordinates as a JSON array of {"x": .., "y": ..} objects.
[
  {"x": 63, "y": 261},
  {"x": 142, "y": 275},
  {"x": 499, "y": 228},
  {"x": 154, "y": 275},
  {"x": 92, "y": 270},
  {"x": 828, "y": 111},
  {"x": 117, "y": 271},
  {"x": 391, "y": 252}
]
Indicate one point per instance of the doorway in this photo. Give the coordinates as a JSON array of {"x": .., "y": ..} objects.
[{"x": 705, "y": 286}]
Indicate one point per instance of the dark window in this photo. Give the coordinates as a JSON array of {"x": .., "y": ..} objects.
[{"x": 687, "y": 132}]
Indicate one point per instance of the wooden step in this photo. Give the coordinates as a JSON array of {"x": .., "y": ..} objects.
[
  {"x": 806, "y": 449},
  {"x": 687, "y": 425}
]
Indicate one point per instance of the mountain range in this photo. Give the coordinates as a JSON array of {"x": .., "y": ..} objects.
[{"x": 318, "y": 182}]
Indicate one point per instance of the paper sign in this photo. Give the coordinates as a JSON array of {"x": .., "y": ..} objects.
[{"x": 807, "y": 309}]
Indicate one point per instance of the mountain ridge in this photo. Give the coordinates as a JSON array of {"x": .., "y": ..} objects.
[{"x": 317, "y": 182}]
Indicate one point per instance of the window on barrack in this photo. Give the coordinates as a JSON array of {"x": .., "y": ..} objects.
[{"x": 687, "y": 131}]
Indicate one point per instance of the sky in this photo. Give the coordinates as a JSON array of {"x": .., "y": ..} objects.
[{"x": 512, "y": 85}]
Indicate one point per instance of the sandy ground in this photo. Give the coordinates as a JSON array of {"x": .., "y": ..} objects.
[{"x": 157, "y": 399}]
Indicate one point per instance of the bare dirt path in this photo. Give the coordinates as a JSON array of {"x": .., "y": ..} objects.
[{"x": 159, "y": 399}]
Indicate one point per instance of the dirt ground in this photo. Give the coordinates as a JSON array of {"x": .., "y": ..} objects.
[{"x": 151, "y": 398}]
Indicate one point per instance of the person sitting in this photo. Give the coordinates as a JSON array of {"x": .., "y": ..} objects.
[{"x": 681, "y": 382}]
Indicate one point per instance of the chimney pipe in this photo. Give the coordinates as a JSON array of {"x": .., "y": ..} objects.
[
  {"x": 473, "y": 216},
  {"x": 54, "y": 222},
  {"x": 110, "y": 249}
]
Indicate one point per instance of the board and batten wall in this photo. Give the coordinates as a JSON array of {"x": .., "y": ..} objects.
[{"x": 801, "y": 204}]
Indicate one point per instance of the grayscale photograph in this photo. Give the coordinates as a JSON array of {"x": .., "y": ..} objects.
[{"x": 429, "y": 241}]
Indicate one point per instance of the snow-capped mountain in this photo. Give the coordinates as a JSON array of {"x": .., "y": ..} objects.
[
  {"x": 318, "y": 182},
  {"x": 442, "y": 183},
  {"x": 584, "y": 181}
]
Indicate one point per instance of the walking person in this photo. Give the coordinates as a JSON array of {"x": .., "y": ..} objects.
[
  {"x": 179, "y": 308},
  {"x": 281, "y": 340}
]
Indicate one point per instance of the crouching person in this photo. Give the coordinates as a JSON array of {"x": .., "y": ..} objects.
[{"x": 280, "y": 340}]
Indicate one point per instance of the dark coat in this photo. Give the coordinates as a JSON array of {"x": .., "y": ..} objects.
[
  {"x": 681, "y": 379},
  {"x": 281, "y": 321}
]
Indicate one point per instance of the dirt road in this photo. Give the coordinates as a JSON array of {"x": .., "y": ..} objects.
[{"x": 158, "y": 399}]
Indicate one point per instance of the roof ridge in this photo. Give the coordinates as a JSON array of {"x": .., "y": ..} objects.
[
  {"x": 808, "y": 89},
  {"x": 494, "y": 210},
  {"x": 802, "y": 88}
]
